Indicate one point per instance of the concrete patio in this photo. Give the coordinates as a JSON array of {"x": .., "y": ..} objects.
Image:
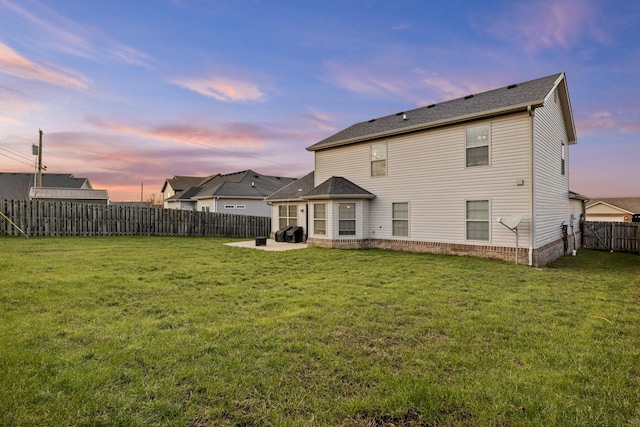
[{"x": 271, "y": 245}]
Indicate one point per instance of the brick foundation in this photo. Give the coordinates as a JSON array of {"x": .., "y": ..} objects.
[{"x": 541, "y": 256}]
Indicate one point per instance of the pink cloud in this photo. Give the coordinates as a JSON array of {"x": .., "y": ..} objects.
[
  {"x": 54, "y": 31},
  {"x": 406, "y": 81},
  {"x": 359, "y": 78},
  {"x": 238, "y": 135},
  {"x": 223, "y": 88},
  {"x": 547, "y": 24},
  {"x": 445, "y": 87},
  {"x": 16, "y": 65},
  {"x": 120, "y": 164},
  {"x": 607, "y": 121}
]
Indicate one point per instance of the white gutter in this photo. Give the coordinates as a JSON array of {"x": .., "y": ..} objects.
[{"x": 532, "y": 237}]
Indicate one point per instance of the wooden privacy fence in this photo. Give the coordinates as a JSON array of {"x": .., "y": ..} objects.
[
  {"x": 45, "y": 218},
  {"x": 611, "y": 236}
]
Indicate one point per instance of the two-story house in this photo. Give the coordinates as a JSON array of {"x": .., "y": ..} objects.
[
  {"x": 239, "y": 193},
  {"x": 438, "y": 178}
]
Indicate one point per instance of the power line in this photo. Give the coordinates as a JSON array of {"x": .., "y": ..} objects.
[
  {"x": 13, "y": 151},
  {"x": 17, "y": 160}
]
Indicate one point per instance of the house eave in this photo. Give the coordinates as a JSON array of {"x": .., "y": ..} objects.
[
  {"x": 339, "y": 196},
  {"x": 600, "y": 202},
  {"x": 228, "y": 197},
  {"x": 298, "y": 199},
  {"x": 435, "y": 124}
]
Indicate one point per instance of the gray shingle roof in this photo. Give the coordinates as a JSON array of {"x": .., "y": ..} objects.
[
  {"x": 185, "y": 194},
  {"x": 485, "y": 104},
  {"x": 17, "y": 185},
  {"x": 338, "y": 187},
  {"x": 629, "y": 204},
  {"x": 293, "y": 190},
  {"x": 181, "y": 183},
  {"x": 245, "y": 184}
]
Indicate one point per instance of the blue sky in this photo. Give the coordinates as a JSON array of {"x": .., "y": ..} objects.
[{"x": 132, "y": 92}]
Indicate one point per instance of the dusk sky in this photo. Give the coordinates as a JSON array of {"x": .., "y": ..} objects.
[{"x": 131, "y": 92}]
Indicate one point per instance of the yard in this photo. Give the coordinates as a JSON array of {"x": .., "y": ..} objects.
[{"x": 140, "y": 331}]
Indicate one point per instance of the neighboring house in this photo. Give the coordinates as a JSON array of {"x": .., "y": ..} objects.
[
  {"x": 621, "y": 209},
  {"x": 437, "y": 178},
  {"x": 17, "y": 186},
  {"x": 240, "y": 193},
  {"x": 178, "y": 184}
]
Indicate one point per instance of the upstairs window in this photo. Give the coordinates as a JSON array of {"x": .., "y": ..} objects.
[
  {"x": 400, "y": 219},
  {"x": 379, "y": 159},
  {"x": 477, "y": 145},
  {"x": 346, "y": 219},
  {"x": 477, "y": 218},
  {"x": 287, "y": 216},
  {"x": 563, "y": 158},
  {"x": 319, "y": 218}
]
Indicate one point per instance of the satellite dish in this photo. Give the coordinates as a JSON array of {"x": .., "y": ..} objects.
[{"x": 511, "y": 222}]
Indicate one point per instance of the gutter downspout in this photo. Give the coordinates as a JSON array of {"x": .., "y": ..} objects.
[{"x": 532, "y": 237}]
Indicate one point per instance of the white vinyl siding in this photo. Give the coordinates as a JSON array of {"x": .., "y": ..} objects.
[
  {"x": 428, "y": 170},
  {"x": 300, "y": 214},
  {"x": 550, "y": 200}
]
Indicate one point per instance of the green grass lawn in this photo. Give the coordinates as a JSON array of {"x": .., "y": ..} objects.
[{"x": 138, "y": 331}]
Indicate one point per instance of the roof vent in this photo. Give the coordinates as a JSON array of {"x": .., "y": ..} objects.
[
  {"x": 372, "y": 120},
  {"x": 400, "y": 113},
  {"x": 404, "y": 116},
  {"x": 468, "y": 97},
  {"x": 431, "y": 105},
  {"x": 512, "y": 86}
]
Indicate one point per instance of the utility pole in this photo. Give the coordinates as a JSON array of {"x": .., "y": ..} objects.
[{"x": 40, "y": 160}]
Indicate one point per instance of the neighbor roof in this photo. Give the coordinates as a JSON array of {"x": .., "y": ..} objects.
[
  {"x": 181, "y": 183},
  {"x": 68, "y": 193},
  {"x": 509, "y": 99},
  {"x": 629, "y": 204},
  {"x": 338, "y": 187},
  {"x": 16, "y": 185},
  {"x": 293, "y": 190},
  {"x": 245, "y": 184}
]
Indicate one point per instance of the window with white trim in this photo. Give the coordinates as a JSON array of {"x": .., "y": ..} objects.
[
  {"x": 400, "y": 219},
  {"x": 563, "y": 158},
  {"x": 229, "y": 206},
  {"x": 379, "y": 159},
  {"x": 477, "y": 218},
  {"x": 346, "y": 219},
  {"x": 320, "y": 218},
  {"x": 287, "y": 215},
  {"x": 241, "y": 206},
  {"x": 477, "y": 145}
]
